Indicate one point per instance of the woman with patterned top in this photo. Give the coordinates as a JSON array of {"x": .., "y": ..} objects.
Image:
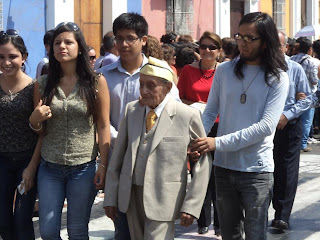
[
  {"x": 73, "y": 104},
  {"x": 18, "y": 163},
  {"x": 194, "y": 86}
]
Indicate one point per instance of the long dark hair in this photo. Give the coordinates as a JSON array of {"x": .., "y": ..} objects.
[
  {"x": 87, "y": 76},
  {"x": 272, "y": 58}
]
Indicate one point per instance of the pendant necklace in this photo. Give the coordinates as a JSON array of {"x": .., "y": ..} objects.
[
  {"x": 203, "y": 75},
  {"x": 11, "y": 92},
  {"x": 243, "y": 97}
]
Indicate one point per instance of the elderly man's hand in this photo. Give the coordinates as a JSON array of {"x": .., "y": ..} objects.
[
  {"x": 204, "y": 145},
  {"x": 186, "y": 219},
  {"x": 111, "y": 212},
  {"x": 282, "y": 122},
  {"x": 300, "y": 96}
]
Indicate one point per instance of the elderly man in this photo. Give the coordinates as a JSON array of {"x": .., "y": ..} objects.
[{"x": 147, "y": 174}]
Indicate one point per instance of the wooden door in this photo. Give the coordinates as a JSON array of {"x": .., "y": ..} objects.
[{"x": 88, "y": 15}]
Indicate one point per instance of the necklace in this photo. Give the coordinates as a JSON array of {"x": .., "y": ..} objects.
[
  {"x": 243, "y": 97},
  {"x": 11, "y": 91},
  {"x": 203, "y": 75}
]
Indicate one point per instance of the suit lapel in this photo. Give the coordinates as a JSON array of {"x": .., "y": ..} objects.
[
  {"x": 165, "y": 122},
  {"x": 136, "y": 130}
]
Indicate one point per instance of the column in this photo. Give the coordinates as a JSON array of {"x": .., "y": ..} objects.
[
  {"x": 222, "y": 20},
  {"x": 111, "y": 10},
  {"x": 251, "y": 6}
]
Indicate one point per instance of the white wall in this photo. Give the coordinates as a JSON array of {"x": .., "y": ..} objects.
[
  {"x": 58, "y": 11},
  {"x": 222, "y": 21},
  {"x": 111, "y": 10},
  {"x": 251, "y": 6}
]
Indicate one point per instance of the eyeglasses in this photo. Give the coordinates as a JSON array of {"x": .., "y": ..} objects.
[
  {"x": 129, "y": 40},
  {"x": 245, "y": 38},
  {"x": 9, "y": 32},
  {"x": 211, "y": 47},
  {"x": 71, "y": 25},
  {"x": 92, "y": 58}
]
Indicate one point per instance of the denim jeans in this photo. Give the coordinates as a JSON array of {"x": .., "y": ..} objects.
[
  {"x": 306, "y": 123},
  {"x": 57, "y": 182},
  {"x": 17, "y": 225},
  {"x": 243, "y": 199}
]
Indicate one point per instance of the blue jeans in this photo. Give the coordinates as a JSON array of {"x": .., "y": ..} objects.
[
  {"x": 243, "y": 199},
  {"x": 306, "y": 123},
  {"x": 57, "y": 182},
  {"x": 17, "y": 225}
]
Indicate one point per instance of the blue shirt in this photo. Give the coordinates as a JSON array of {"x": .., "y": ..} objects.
[
  {"x": 245, "y": 134},
  {"x": 108, "y": 59},
  {"x": 298, "y": 82},
  {"x": 124, "y": 88}
]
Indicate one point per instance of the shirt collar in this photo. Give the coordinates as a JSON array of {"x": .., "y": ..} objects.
[
  {"x": 121, "y": 69},
  {"x": 158, "y": 110}
]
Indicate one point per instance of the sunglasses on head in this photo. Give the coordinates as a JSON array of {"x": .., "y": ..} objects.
[
  {"x": 92, "y": 58},
  {"x": 211, "y": 47},
  {"x": 9, "y": 32},
  {"x": 71, "y": 25}
]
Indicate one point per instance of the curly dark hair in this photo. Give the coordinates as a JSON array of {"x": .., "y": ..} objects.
[
  {"x": 153, "y": 48},
  {"x": 168, "y": 52}
]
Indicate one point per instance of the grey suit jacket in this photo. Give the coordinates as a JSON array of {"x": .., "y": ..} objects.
[{"x": 165, "y": 192}]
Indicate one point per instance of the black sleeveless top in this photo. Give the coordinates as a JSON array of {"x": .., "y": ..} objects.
[{"x": 15, "y": 110}]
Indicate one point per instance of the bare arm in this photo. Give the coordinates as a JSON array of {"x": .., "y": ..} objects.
[{"x": 103, "y": 129}]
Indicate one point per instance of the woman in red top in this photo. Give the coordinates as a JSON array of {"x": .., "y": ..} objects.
[
  {"x": 195, "y": 79},
  {"x": 194, "y": 86}
]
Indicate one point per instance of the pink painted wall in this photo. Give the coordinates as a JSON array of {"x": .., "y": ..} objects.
[
  {"x": 204, "y": 15},
  {"x": 155, "y": 13}
]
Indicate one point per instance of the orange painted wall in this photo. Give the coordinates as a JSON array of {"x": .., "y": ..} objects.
[{"x": 155, "y": 13}]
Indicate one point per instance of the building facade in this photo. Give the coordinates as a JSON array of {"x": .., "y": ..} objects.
[{"x": 32, "y": 18}]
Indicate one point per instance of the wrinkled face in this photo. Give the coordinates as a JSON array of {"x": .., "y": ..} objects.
[
  {"x": 128, "y": 44},
  {"x": 206, "y": 53},
  {"x": 65, "y": 47},
  {"x": 92, "y": 57},
  {"x": 153, "y": 90},
  {"x": 250, "y": 52},
  {"x": 11, "y": 59}
]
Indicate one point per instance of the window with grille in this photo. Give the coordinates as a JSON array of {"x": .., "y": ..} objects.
[
  {"x": 279, "y": 14},
  {"x": 180, "y": 16}
]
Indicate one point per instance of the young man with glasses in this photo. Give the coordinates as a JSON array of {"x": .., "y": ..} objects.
[
  {"x": 248, "y": 93},
  {"x": 130, "y": 31}
]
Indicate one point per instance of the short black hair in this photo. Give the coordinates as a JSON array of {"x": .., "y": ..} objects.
[
  {"x": 168, "y": 38},
  {"x": 304, "y": 44},
  {"x": 316, "y": 48},
  {"x": 132, "y": 21},
  {"x": 108, "y": 42},
  {"x": 48, "y": 37}
]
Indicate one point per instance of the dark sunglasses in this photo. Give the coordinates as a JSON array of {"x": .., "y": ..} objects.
[
  {"x": 9, "y": 32},
  {"x": 92, "y": 58},
  {"x": 71, "y": 25},
  {"x": 211, "y": 47}
]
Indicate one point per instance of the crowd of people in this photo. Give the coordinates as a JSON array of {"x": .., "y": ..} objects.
[{"x": 234, "y": 112}]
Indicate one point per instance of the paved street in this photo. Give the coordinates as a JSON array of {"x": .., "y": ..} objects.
[{"x": 305, "y": 219}]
